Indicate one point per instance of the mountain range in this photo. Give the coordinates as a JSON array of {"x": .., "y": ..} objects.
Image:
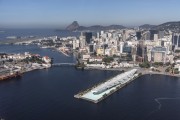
[
  {"x": 147, "y": 26},
  {"x": 174, "y": 26},
  {"x": 76, "y": 26}
]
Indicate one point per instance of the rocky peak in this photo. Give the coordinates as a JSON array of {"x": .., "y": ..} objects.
[{"x": 73, "y": 26}]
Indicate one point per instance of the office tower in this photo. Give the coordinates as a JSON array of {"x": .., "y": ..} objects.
[
  {"x": 162, "y": 43},
  {"x": 133, "y": 52},
  {"x": 82, "y": 41},
  {"x": 91, "y": 48},
  {"x": 74, "y": 44},
  {"x": 158, "y": 54},
  {"x": 147, "y": 36},
  {"x": 155, "y": 37},
  {"x": 127, "y": 49},
  {"x": 88, "y": 37},
  {"x": 141, "y": 52},
  {"x": 138, "y": 35},
  {"x": 176, "y": 40},
  {"x": 98, "y": 35},
  {"x": 124, "y": 35},
  {"x": 160, "y": 34},
  {"x": 102, "y": 32},
  {"x": 152, "y": 32}
]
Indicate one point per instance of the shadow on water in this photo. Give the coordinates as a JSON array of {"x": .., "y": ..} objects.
[{"x": 11, "y": 80}]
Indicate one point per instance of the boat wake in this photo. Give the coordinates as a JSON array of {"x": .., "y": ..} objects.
[{"x": 158, "y": 101}]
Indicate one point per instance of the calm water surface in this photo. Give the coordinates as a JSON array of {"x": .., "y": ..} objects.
[
  {"x": 36, "y": 32},
  {"x": 48, "y": 94}
]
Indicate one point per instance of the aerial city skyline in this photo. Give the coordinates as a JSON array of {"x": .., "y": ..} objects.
[
  {"x": 57, "y": 57},
  {"x": 58, "y": 14}
]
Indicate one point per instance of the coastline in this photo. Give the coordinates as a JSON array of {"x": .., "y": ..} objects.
[
  {"x": 63, "y": 53},
  {"x": 143, "y": 71},
  {"x": 166, "y": 74},
  {"x": 111, "y": 69},
  {"x": 20, "y": 73},
  {"x": 118, "y": 87},
  {"x": 11, "y": 64},
  {"x": 13, "y": 41}
]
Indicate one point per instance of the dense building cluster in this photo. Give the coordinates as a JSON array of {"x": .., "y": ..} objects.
[
  {"x": 130, "y": 46},
  {"x": 119, "y": 48}
]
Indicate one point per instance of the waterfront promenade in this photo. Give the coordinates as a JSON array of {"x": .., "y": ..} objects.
[
  {"x": 148, "y": 71},
  {"x": 102, "y": 90},
  {"x": 143, "y": 71}
]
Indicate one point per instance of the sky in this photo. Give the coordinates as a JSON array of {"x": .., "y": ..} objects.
[{"x": 60, "y": 13}]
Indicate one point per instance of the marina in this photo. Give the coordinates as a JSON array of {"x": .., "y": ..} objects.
[{"x": 105, "y": 89}]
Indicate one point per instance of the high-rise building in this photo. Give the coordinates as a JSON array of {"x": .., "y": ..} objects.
[
  {"x": 75, "y": 44},
  {"x": 162, "y": 43},
  {"x": 176, "y": 40},
  {"x": 102, "y": 32},
  {"x": 155, "y": 37},
  {"x": 91, "y": 48},
  {"x": 160, "y": 34},
  {"x": 158, "y": 54},
  {"x": 141, "y": 52},
  {"x": 88, "y": 37},
  {"x": 98, "y": 35},
  {"x": 121, "y": 46},
  {"x": 127, "y": 49},
  {"x": 147, "y": 36},
  {"x": 124, "y": 35},
  {"x": 138, "y": 35},
  {"x": 152, "y": 32},
  {"x": 82, "y": 41},
  {"x": 133, "y": 52}
]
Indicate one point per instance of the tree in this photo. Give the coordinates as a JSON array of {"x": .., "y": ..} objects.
[
  {"x": 144, "y": 65},
  {"x": 108, "y": 59}
]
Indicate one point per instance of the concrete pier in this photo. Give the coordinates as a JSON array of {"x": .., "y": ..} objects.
[{"x": 99, "y": 92}]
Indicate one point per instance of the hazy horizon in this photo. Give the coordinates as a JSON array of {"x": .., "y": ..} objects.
[{"x": 59, "y": 14}]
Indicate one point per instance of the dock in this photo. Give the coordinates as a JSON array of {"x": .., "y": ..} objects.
[
  {"x": 64, "y": 53},
  {"x": 101, "y": 91}
]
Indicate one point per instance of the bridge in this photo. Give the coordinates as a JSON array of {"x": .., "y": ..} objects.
[{"x": 63, "y": 64}]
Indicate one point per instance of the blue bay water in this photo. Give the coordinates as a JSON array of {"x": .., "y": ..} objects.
[
  {"x": 49, "y": 94},
  {"x": 36, "y": 32}
]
